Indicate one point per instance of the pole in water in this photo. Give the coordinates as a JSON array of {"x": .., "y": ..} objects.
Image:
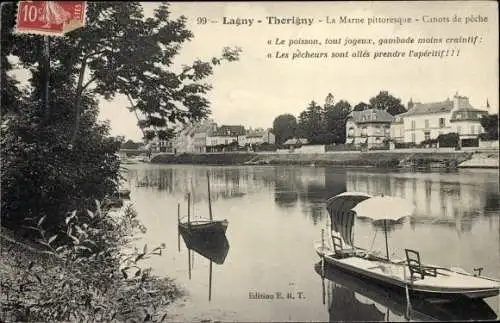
[
  {"x": 178, "y": 223},
  {"x": 189, "y": 263},
  {"x": 322, "y": 253},
  {"x": 407, "y": 292},
  {"x": 386, "y": 244},
  {"x": 210, "y": 283},
  {"x": 209, "y": 199},
  {"x": 189, "y": 210}
]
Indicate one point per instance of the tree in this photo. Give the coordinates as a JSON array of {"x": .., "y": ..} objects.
[
  {"x": 335, "y": 119},
  {"x": 361, "y": 106},
  {"x": 490, "y": 125},
  {"x": 284, "y": 127},
  {"x": 130, "y": 144},
  {"x": 57, "y": 156},
  {"x": 387, "y": 102},
  {"x": 310, "y": 123},
  {"x": 121, "y": 52}
]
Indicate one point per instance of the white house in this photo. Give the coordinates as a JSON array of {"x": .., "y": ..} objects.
[
  {"x": 226, "y": 135},
  {"x": 369, "y": 127},
  {"x": 184, "y": 140},
  {"x": 424, "y": 121},
  {"x": 202, "y": 132},
  {"x": 259, "y": 137}
]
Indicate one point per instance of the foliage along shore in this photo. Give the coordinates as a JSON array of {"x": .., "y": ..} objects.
[
  {"x": 91, "y": 277},
  {"x": 346, "y": 159}
]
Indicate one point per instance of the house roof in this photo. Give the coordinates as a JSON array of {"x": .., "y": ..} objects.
[
  {"x": 371, "y": 115},
  {"x": 230, "y": 130},
  {"x": 255, "y": 134},
  {"x": 429, "y": 108},
  {"x": 467, "y": 114}
]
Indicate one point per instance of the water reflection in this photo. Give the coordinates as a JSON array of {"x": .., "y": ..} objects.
[
  {"x": 350, "y": 298},
  {"x": 448, "y": 199},
  {"x": 277, "y": 212},
  {"x": 440, "y": 199},
  {"x": 214, "y": 248}
]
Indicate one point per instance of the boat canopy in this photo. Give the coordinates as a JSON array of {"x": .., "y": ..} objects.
[{"x": 342, "y": 217}]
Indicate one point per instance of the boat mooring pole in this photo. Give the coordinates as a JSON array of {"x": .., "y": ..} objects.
[
  {"x": 407, "y": 292},
  {"x": 322, "y": 252},
  {"x": 189, "y": 263},
  {"x": 189, "y": 210},
  {"x": 386, "y": 244},
  {"x": 210, "y": 283},
  {"x": 178, "y": 222},
  {"x": 324, "y": 292},
  {"x": 209, "y": 199}
]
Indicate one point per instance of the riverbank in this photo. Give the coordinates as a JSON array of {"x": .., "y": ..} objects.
[
  {"x": 385, "y": 159},
  {"x": 40, "y": 281}
]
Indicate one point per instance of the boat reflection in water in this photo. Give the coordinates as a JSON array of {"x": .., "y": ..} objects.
[
  {"x": 213, "y": 247},
  {"x": 350, "y": 298}
]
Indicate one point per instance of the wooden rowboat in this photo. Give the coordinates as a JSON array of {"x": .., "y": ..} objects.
[
  {"x": 447, "y": 284},
  {"x": 408, "y": 274},
  {"x": 204, "y": 226},
  {"x": 367, "y": 301}
]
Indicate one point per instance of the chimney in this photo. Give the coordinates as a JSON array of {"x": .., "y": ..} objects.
[
  {"x": 410, "y": 104},
  {"x": 460, "y": 102}
]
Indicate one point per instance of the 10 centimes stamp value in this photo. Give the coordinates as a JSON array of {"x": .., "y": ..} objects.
[{"x": 50, "y": 18}]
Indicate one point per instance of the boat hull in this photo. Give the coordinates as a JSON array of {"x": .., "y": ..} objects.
[
  {"x": 421, "y": 309},
  {"x": 443, "y": 292},
  {"x": 204, "y": 227}
]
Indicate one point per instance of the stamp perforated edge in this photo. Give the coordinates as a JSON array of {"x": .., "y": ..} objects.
[{"x": 32, "y": 31}]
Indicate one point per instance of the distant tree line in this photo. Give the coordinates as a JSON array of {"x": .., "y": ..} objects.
[{"x": 326, "y": 124}]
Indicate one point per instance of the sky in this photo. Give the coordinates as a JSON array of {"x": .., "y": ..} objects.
[{"x": 256, "y": 89}]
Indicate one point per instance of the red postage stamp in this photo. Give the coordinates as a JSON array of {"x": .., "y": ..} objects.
[{"x": 53, "y": 18}]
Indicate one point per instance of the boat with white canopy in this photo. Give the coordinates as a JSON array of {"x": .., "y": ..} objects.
[{"x": 408, "y": 274}]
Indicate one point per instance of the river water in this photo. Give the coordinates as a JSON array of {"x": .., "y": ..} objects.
[{"x": 275, "y": 215}]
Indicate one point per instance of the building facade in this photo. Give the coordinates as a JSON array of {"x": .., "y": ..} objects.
[
  {"x": 202, "y": 132},
  {"x": 369, "y": 127},
  {"x": 226, "y": 135},
  {"x": 425, "y": 121},
  {"x": 260, "y": 136}
]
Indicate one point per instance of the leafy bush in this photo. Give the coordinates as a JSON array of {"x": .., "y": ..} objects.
[
  {"x": 448, "y": 140},
  {"x": 41, "y": 176},
  {"x": 91, "y": 279}
]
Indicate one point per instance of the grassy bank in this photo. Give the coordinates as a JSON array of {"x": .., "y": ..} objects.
[
  {"x": 90, "y": 278},
  {"x": 355, "y": 159}
]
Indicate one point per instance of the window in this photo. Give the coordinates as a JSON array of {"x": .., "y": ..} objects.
[
  {"x": 427, "y": 135},
  {"x": 413, "y": 137},
  {"x": 364, "y": 132},
  {"x": 426, "y": 123},
  {"x": 441, "y": 123},
  {"x": 472, "y": 128},
  {"x": 413, "y": 124},
  {"x": 459, "y": 129},
  {"x": 350, "y": 132}
]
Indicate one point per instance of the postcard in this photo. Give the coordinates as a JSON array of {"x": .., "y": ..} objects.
[{"x": 250, "y": 161}]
